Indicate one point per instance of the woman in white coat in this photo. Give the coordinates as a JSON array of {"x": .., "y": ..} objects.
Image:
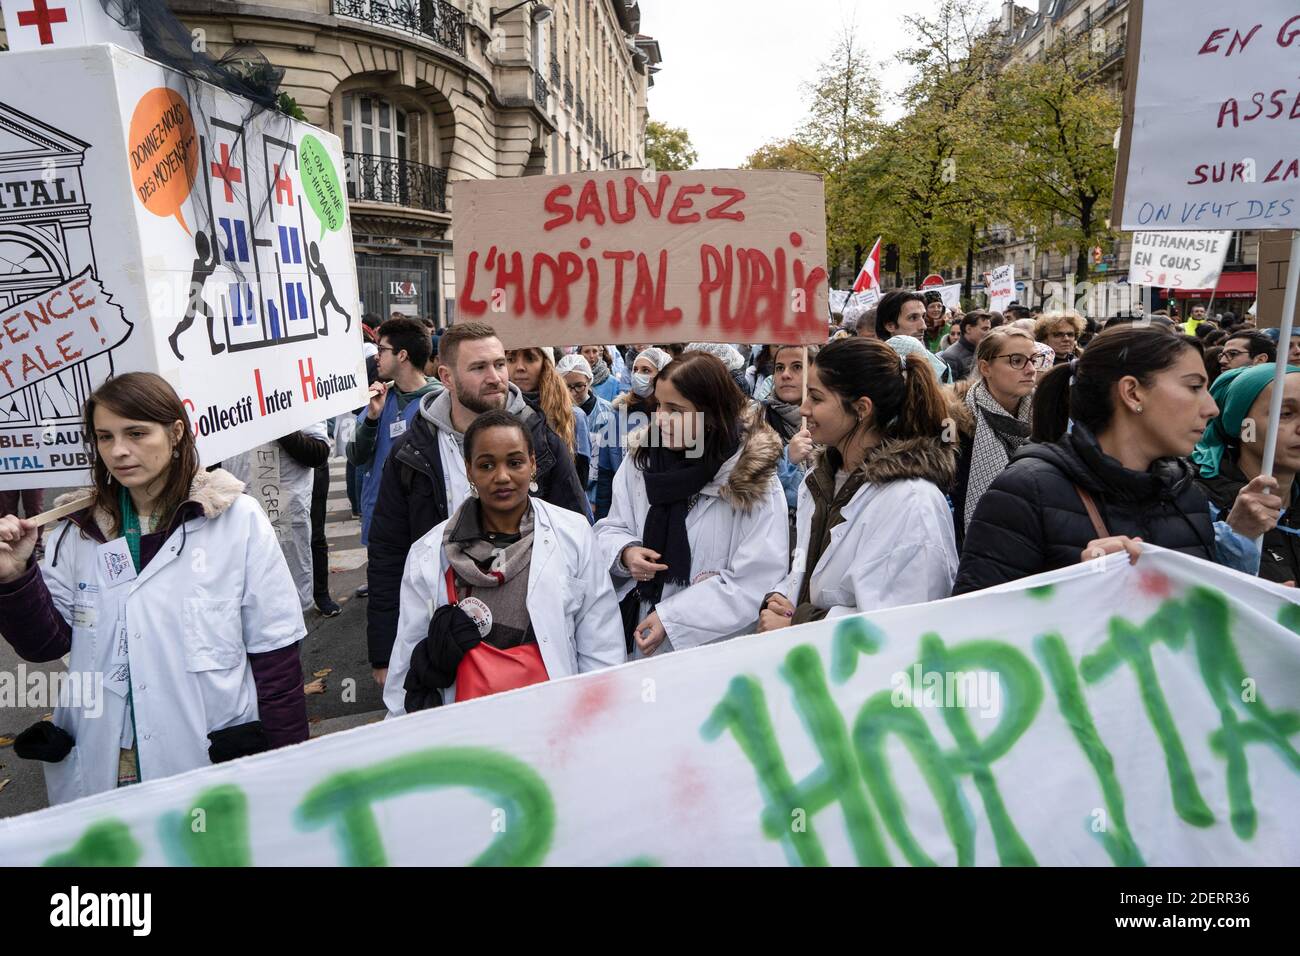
[
  {"x": 874, "y": 529},
  {"x": 698, "y": 529},
  {"x": 507, "y": 592},
  {"x": 171, "y": 595}
]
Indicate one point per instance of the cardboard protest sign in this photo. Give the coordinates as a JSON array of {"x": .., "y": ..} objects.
[
  {"x": 1211, "y": 99},
  {"x": 1001, "y": 727},
  {"x": 621, "y": 257},
  {"x": 1002, "y": 287},
  {"x": 1274, "y": 258},
  {"x": 1178, "y": 260},
  {"x": 150, "y": 222}
]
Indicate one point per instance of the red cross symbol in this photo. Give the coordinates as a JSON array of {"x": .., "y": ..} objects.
[
  {"x": 283, "y": 185},
  {"x": 41, "y": 16},
  {"x": 226, "y": 173}
]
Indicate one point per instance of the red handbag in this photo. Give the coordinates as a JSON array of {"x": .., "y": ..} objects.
[{"x": 490, "y": 670}]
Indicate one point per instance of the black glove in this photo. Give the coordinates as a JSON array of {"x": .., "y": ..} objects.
[
  {"x": 241, "y": 740},
  {"x": 43, "y": 741}
]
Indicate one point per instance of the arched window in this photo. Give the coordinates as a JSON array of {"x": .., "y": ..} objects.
[{"x": 374, "y": 126}]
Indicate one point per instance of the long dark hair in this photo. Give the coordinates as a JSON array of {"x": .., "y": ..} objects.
[
  {"x": 142, "y": 397},
  {"x": 705, "y": 382},
  {"x": 904, "y": 405},
  {"x": 1117, "y": 352}
]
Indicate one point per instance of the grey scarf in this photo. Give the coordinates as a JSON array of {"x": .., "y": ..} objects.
[
  {"x": 599, "y": 372},
  {"x": 436, "y": 410},
  {"x": 997, "y": 435}
]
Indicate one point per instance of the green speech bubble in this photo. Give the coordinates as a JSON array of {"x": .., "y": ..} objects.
[{"x": 321, "y": 181}]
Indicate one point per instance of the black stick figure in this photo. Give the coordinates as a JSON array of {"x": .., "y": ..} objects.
[
  {"x": 318, "y": 270},
  {"x": 204, "y": 265}
]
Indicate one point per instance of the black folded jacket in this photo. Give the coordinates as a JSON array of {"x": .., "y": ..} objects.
[
  {"x": 434, "y": 661},
  {"x": 238, "y": 741},
  {"x": 43, "y": 741}
]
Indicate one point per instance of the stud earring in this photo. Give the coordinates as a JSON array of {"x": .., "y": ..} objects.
[{"x": 1139, "y": 409}]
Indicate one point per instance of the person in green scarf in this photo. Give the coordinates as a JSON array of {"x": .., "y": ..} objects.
[{"x": 1230, "y": 457}]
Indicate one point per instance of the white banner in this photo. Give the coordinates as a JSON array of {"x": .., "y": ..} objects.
[
  {"x": 1211, "y": 140},
  {"x": 1178, "y": 260},
  {"x": 1099, "y": 715},
  {"x": 1002, "y": 287},
  {"x": 151, "y": 226}
]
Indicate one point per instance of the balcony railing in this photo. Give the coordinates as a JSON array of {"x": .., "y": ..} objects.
[
  {"x": 555, "y": 73},
  {"x": 579, "y": 111},
  {"x": 399, "y": 181},
  {"x": 590, "y": 125},
  {"x": 436, "y": 20},
  {"x": 568, "y": 92},
  {"x": 540, "y": 90},
  {"x": 1114, "y": 52}
]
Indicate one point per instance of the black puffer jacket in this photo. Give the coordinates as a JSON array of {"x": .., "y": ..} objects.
[
  {"x": 1032, "y": 520},
  {"x": 1280, "y": 561},
  {"x": 413, "y": 501}
]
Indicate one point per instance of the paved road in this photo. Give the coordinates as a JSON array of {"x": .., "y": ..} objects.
[{"x": 338, "y": 645}]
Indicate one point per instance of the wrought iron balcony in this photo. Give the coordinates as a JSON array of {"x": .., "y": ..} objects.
[
  {"x": 579, "y": 111},
  {"x": 540, "y": 90},
  {"x": 568, "y": 92},
  {"x": 590, "y": 125},
  {"x": 399, "y": 181},
  {"x": 555, "y": 73},
  {"x": 436, "y": 20}
]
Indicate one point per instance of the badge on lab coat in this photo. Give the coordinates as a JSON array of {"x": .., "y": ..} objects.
[
  {"x": 115, "y": 561},
  {"x": 118, "y": 677},
  {"x": 397, "y": 428}
]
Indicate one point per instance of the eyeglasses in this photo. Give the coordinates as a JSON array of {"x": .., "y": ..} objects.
[
  {"x": 1018, "y": 362},
  {"x": 576, "y": 386},
  {"x": 1230, "y": 354},
  {"x": 385, "y": 348}
]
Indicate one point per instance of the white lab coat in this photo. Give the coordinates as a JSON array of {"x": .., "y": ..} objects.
[
  {"x": 217, "y": 591},
  {"x": 570, "y": 601},
  {"x": 296, "y": 482},
  {"x": 737, "y": 556},
  {"x": 895, "y": 546}
]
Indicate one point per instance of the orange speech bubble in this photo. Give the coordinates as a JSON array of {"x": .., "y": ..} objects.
[{"x": 163, "y": 152}]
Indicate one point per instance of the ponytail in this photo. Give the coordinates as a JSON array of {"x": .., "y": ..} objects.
[
  {"x": 924, "y": 409},
  {"x": 1052, "y": 404},
  {"x": 906, "y": 399}
]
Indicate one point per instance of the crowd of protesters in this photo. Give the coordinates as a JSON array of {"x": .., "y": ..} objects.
[{"x": 538, "y": 512}]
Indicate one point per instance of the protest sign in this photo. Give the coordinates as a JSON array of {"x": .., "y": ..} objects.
[
  {"x": 160, "y": 224},
  {"x": 1211, "y": 98},
  {"x": 1002, "y": 287},
  {"x": 838, "y": 299},
  {"x": 1001, "y": 727},
  {"x": 1178, "y": 260},
  {"x": 621, "y": 257},
  {"x": 1274, "y": 259},
  {"x": 951, "y": 295},
  {"x": 41, "y": 24}
]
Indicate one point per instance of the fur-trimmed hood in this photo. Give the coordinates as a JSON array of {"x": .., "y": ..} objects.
[
  {"x": 898, "y": 459},
  {"x": 958, "y": 410},
  {"x": 744, "y": 478},
  {"x": 211, "y": 491}
]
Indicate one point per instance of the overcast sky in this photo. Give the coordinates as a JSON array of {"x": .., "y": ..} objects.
[{"x": 733, "y": 70}]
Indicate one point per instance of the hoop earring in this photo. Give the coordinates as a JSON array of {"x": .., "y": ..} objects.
[
  {"x": 473, "y": 491},
  {"x": 532, "y": 485}
]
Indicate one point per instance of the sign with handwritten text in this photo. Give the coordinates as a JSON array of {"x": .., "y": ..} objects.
[
  {"x": 1210, "y": 140},
  {"x": 634, "y": 256},
  {"x": 1001, "y": 727}
]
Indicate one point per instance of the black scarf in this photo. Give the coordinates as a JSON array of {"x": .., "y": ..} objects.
[
  {"x": 672, "y": 480},
  {"x": 589, "y": 405}
]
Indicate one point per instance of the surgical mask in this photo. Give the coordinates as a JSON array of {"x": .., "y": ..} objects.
[{"x": 642, "y": 385}]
